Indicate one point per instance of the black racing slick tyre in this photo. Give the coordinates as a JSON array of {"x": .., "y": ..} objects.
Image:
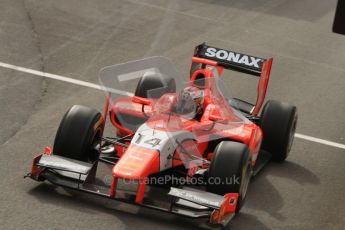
[
  {"x": 230, "y": 170},
  {"x": 80, "y": 131},
  {"x": 278, "y": 123},
  {"x": 153, "y": 85}
]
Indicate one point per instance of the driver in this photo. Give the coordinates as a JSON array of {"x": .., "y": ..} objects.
[{"x": 190, "y": 103}]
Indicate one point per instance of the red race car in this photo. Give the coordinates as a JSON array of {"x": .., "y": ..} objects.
[{"x": 182, "y": 147}]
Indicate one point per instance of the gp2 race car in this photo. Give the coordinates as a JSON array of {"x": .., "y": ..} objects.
[{"x": 186, "y": 148}]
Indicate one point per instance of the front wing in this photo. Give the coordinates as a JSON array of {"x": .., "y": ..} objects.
[{"x": 186, "y": 201}]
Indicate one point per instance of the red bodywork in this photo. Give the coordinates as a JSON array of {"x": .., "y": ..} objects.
[
  {"x": 137, "y": 163},
  {"x": 148, "y": 162}
]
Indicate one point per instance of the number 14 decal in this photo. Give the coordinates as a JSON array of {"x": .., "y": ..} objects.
[{"x": 154, "y": 142}]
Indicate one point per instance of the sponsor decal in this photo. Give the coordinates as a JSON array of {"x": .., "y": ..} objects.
[
  {"x": 136, "y": 158},
  {"x": 230, "y": 56},
  {"x": 196, "y": 199}
]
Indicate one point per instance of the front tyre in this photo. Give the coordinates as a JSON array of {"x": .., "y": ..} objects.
[
  {"x": 230, "y": 170},
  {"x": 80, "y": 131},
  {"x": 278, "y": 123}
]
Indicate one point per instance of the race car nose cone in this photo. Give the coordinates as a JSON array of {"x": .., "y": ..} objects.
[{"x": 137, "y": 163}]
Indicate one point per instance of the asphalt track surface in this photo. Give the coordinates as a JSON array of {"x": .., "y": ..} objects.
[{"x": 77, "y": 38}]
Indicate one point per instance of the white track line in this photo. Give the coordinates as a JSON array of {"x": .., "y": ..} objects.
[
  {"x": 62, "y": 78},
  {"x": 99, "y": 87},
  {"x": 321, "y": 141}
]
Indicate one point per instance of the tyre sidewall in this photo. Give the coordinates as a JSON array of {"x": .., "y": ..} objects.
[
  {"x": 277, "y": 122},
  {"x": 230, "y": 160},
  {"x": 78, "y": 129}
]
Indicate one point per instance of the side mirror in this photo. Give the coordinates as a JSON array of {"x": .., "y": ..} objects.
[
  {"x": 141, "y": 100},
  {"x": 214, "y": 118}
]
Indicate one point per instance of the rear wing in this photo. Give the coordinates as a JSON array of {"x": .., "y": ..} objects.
[
  {"x": 225, "y": 59},
  {"x": 230, "y": 59}
]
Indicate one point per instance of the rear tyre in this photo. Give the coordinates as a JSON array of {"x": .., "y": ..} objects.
[
  {"x": 230, "y": 170},
  {"x": 153, "y": 85},
  {"x": 79, "y": 133},
  {"x": 278, "y": 123}
]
